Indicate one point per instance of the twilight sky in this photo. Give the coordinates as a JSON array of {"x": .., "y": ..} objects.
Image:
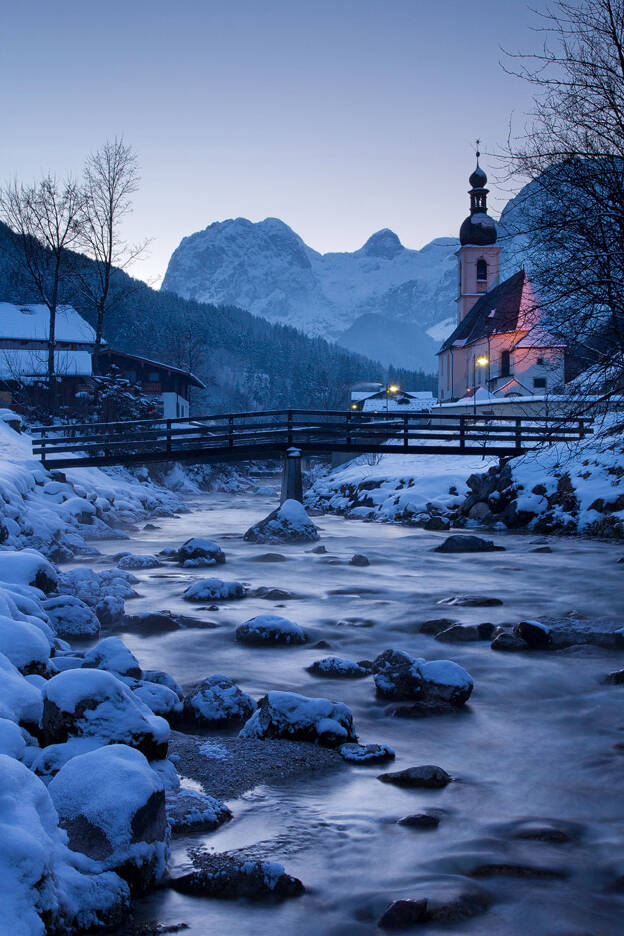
[{"x": 338, "y": 116}]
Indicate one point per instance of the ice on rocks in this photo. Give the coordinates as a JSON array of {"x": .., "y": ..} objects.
[
  {"x": 270, "y": 629},
  {"x": 300, "y": 718},
  {"x": 288, "y": 524},
  {"x": 217, "y": 701},
  {"x": 214, "y": 590},
  {"x": 112, "y": 654},
  {"x": 112, "y": 806},
  {"x": 71, "y": 617},
  {"x": 130, "y": 562},
  {"x": 94, "y": 703}
]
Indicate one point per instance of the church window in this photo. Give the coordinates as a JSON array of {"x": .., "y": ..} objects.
[
  {"x": 482, "y": 270},
  {"x": 539, "y": 382},
  {"x": 505, "y": 364}
]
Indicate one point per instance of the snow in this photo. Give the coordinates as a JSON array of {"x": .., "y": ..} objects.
[
  {"x": 337, "y": 668},
  {"x": 218, "y": 700},
  {"x": 24, "y": 644},
  {"x": 33, "y": 322},
  {"x": 71, "y": 617},
  {"x": 39, "y": 877},
  {"x": 441, "y": 331},
  {"x": 290, "y": 715},
  {"x": 138, "y": 562},
  {"x": 288, "y": 523},
  {"x": 26, "y": 568},
  {"x": 160, "y": 699},
  {"x": 214, "y": 590},
  {"x": 12, "y": 742},
  {"x": 198, "y": 551},
  {"x": 20, "y": 701},
  {"x": 446, "y": 673},
  {"x": 270, "y": 628},
  {"x": 107, "y": 787},
  {"x": 112, "y": 654},
  {"x": 190, "y": 810},
  {"x": 22, "y": 363}
]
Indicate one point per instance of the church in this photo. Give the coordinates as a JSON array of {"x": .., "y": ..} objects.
[{"x": 499, "y": 347}]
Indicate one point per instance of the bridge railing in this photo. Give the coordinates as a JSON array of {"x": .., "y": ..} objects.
[{"x": 319, "y": 430}]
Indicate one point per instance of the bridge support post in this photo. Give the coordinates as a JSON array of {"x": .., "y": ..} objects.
[{"x": 292, "y": 482}]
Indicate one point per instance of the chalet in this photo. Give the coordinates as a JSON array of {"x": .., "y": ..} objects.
[
  {"x": 392, "y": 400},
  {"x": 24, "y": 337},
  {"x": 500, "y": 347},
  {"x": 171, "y": 385}
]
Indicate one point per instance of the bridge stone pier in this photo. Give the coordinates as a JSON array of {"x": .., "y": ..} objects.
[{"x": 292, "y": 482}]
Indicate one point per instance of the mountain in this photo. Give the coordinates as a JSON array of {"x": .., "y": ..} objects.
[
  {"x": 359, "y": 299},
  {"x": 246, "y": 362}
]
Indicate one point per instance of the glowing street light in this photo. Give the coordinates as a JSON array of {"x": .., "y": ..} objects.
[
  {"x": 391, "y": 388},
  {"x": 481, "y": 361}
]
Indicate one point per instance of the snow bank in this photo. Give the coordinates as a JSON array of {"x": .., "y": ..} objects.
[{"x": 58, "y": 512}]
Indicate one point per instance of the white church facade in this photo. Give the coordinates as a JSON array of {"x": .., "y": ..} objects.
[{"x": 499, "y": 347}]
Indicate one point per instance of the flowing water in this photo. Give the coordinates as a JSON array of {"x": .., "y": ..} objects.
[{"x": 538, "y": 740}]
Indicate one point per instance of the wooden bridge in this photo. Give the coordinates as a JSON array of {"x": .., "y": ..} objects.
[{"x": 269, "y": 434}]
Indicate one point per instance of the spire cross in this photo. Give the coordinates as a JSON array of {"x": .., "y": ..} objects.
[{"x": 478, "y": 144}]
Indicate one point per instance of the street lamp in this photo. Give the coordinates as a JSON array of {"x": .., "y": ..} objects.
[
  {"x": 481, "y": 361},
  {"x": 391, "y": 388}
]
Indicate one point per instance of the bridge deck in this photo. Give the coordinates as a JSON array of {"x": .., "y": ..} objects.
[{"x": 266, "y": 434}]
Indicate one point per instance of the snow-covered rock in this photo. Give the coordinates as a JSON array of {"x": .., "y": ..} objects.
[
  {"x": 112, "y": 654},
  {"x": 433, "y": 684},
  {"x": 25, "y": 645},
  {"x": 71, "y": 617},
  {"x": 164, "y": 679},
  {"x": 300, "y": 718},
  {"x": 28, "y": 567},
  {"x": 223, "y": 876},
  {"x": 94, "y": 703},
  {"x": 130, "y": 562},
  {"x": 198, "y": 551},
  {"x": 289, "y": 523},
  {"x": 337, "y": 668},
  {"x": 91, "y": 586},
  {"x": 45, "y": 887},
  {"x": 270, "y": 629},
  {"x": 366, "y": 753},
  {"x": 112, "y": 806},
  {"x": 217, "y": 701},
  {"x": 12, "y": 741},
  {"x": 192, "y": 811},
  {"x": 214, "y": 590},
  {"x": 159, "y": 698},
  {"x": 20, "y": 701}
]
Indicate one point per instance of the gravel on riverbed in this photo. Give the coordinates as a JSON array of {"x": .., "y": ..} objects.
[{"x": 229, "y": 767}]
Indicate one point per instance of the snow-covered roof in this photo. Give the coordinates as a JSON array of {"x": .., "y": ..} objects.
[
  {"x": 538, "y": 337},
  {"x": 393, "y": 405},
  {"x": 22, "y": 363},
  {"x": 32, "y": 322}
]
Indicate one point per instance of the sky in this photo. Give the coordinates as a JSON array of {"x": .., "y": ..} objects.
[{"x": 340, "y": 117}]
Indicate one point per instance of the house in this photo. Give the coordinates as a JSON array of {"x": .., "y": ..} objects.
[
  {"x": 392, "y": 400},
  {"x": 171, "y": 385},
  {"x": 24, "y": 337},
  {"x": 500, "y": 343}
]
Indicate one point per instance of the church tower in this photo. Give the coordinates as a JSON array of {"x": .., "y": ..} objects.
[{"x": 478, "y": 258}]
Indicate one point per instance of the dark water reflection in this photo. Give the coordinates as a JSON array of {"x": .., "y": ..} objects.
[{"x": 537, "y": 741}]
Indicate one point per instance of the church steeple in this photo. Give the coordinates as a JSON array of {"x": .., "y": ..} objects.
[
  {"x": 478, "y": 260},
  {"x": 478, "y": 228}
]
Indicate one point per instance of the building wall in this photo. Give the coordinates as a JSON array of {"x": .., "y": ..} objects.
[
  {"x": 174, "y": 406},
  {"x": 469, "y": 287}
]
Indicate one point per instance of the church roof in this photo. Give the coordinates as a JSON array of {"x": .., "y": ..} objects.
[{"x": 511, "y": 306}]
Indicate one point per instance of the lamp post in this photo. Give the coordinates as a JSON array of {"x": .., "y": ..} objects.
[
  {"x": 391, "y": 388},
  {"x": 482, "y": 361}
]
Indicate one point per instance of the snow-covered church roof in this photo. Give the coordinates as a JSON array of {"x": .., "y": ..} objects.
[{"x": 32, "y": 322}]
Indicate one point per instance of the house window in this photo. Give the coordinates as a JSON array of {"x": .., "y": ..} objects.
[
  {"x": 539, "y": 383},
  {"x": 505, "y": 364},
  {"x": 481, "y": 270},
  {"x": 540, "y": 360},
  {"x": 153, "y": 377}
]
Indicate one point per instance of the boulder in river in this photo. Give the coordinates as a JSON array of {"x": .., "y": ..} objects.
[
  {"x": 270, "y": 630},
  {"x": 112, "y": 654},
  {"x": 423, "y": 821},
  {"x": 436, "y": 683},
  {"x": 217, "y": 701},
  {"x": 536, "y": 635},
  {"x": 427, "y": 776},
  {"x": 463, "y": 633},
  {"x": 191, "y": 811},
  {"x": 402, "y": 914},
  {"x": 359, "y": 560},
  {"x": 138, "y": 562},
  {"x": 366, "y": 753},
  {"x": 289, "y": 523},
  {"x": 470, "y": 601},
  {"x": 212, "y": 589},
  {"x": 616, "y": 678},
  {"x": 508, "y": 643},
  {"x": 299, "y": 718},
  {"x": 112, "y": 806},
  {"x": 225, "y": 877},
  {"x": 336, "y": 668},
  {"x": 71, "y": 617},
  {"x": 198, "y": 551},
  {"x": 466, "y": 543}
]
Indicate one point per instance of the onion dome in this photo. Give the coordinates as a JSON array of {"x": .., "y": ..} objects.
[
  {"x": 478, "y": 179},
  {"x": 478, "y": 228}
]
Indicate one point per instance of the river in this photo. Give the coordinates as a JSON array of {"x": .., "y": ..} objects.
[{"x": 537, "y": 741}]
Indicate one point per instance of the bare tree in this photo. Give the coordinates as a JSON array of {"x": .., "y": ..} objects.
[
  {"x": 568, "y": 223},
  {"x": 110, "y": 179},
  {"x": 45, "y": 221}
]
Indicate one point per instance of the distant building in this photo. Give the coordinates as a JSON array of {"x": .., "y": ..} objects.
[
  {"x": 399, "y": 401},
  {"x": 24, "y": 337},
  {"x": 171, "y": 385},
  {"x": 499, "y": 344}
]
